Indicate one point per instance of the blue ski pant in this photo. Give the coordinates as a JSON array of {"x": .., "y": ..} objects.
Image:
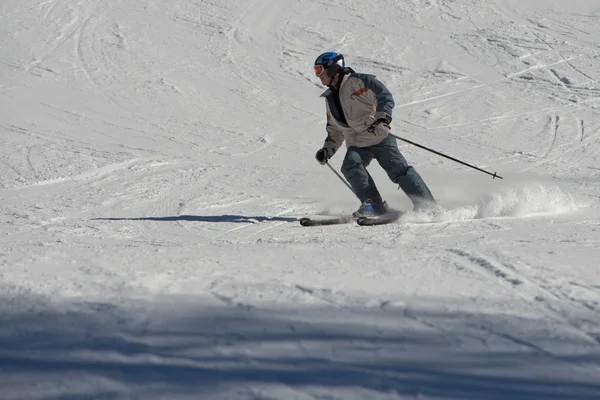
[{"x": 354, "y": 168}]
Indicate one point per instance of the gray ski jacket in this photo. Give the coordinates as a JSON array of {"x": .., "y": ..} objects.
[{"x": 363, "y": 100}]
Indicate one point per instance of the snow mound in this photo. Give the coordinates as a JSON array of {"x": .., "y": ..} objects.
[{"x": 527, "y": 200}]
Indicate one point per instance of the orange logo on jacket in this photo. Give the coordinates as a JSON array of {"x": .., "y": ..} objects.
[{"x": 361, "y": 91}]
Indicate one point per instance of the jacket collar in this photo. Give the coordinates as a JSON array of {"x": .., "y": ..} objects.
[
  {"x": 326, "y": 93},
  {"x": 329, "y": 91}
]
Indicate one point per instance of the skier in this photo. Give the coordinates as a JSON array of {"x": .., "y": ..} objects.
[{"x": 359, "y": 111}]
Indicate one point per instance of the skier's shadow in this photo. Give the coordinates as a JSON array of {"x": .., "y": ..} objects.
[{"x": 206, "y": 218}]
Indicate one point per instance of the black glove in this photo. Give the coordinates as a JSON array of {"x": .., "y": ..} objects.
[
  {"x": 323, "y": 155},
  {"x": 384, "y": 121}
]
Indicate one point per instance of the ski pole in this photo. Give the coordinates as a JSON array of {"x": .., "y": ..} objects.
[
  {"x": 494, "y": 175},
  {"x": 339, "y": 176}
]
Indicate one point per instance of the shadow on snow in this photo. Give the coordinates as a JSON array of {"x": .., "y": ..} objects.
[
  {"x": 158, "y": 351},
  {"x": 205, "y": 218}
]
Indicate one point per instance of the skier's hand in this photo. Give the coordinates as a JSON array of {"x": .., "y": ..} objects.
[
  {"x": 323, "y": 155},
  {"x": 381, "y": 122}
]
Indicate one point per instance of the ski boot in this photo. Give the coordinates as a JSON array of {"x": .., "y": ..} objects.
[{"x": 371, "y": 209}]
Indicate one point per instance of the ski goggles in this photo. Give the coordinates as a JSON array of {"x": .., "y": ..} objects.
[{"x": 319, "y": 70}]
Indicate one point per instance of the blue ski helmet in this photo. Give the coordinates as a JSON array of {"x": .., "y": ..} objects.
[{"x": 331, "y": 62}]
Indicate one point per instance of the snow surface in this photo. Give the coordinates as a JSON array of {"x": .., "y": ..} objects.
[{"x": 155, "y": 156}]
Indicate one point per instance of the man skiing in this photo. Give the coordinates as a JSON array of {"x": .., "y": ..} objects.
[{"x": 359, "y": 111}]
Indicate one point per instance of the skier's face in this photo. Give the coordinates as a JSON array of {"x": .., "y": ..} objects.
[
  {"x": 321, "y": 73},
  {"x": 325, "y": 80}
]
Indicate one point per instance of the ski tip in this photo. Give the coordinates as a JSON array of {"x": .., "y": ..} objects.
[
  {"x": 370, "y": 221},
  {"x": 305, "y": 221},
  {"x": 366, "y": 221}
]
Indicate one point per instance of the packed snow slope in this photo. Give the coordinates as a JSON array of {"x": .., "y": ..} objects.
[{"x": 155, "y": 157}]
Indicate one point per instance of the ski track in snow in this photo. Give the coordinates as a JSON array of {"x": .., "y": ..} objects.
[{"x": 156, "y": 160}]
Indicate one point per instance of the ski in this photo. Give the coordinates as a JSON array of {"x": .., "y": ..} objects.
[
  {"x": 381, "y": 220},
  {"x": 363, "y": 221},
  {"x": 326, "y": 221}
]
